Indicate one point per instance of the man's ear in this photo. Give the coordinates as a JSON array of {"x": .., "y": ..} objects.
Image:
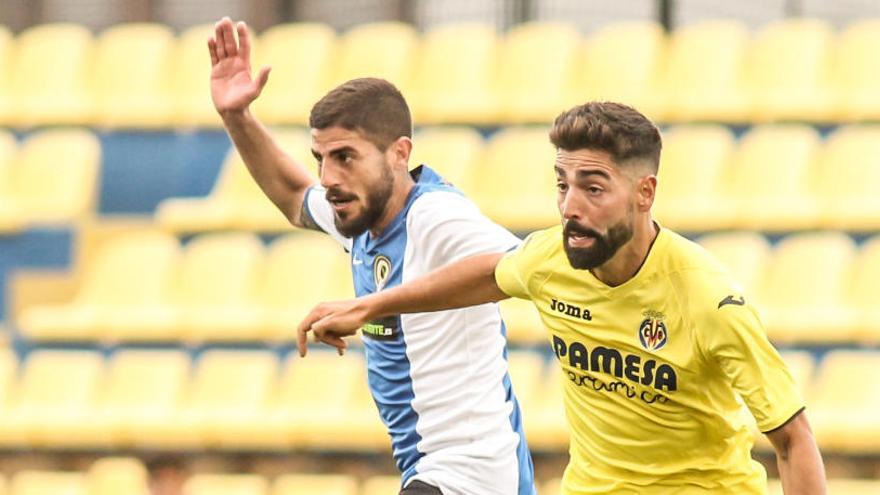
[
  {"x": 646, "y": 192},
  {"x": 399, "y": 152}
]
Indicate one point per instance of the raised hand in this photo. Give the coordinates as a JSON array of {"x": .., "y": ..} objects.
[
  {"x": 232, "y": 88},
  {"x": 331, "y": 321}
]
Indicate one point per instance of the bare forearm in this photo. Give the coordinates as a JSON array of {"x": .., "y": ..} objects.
[
  {"x": 801, "y": 469},
  {"x": 465, "y": 283},
  {"x": 282, "y": 178}
]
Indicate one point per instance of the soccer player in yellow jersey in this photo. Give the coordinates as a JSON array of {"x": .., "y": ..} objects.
[{"x": 655, "y": 339}]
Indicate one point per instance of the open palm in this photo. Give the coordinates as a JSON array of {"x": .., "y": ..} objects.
[{"x": 232, "y": 87}]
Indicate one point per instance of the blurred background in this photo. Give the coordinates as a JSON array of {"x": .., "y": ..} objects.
[{"x": 150, "y": 291}]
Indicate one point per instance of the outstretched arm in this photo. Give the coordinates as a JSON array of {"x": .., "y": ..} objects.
[
  {"x": 283, "y": 179},
  {"x": 800, "y": 464},
  {"x": 468, "y": 282}
]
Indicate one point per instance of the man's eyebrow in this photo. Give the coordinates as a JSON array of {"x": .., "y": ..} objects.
[{"x": 581, "y": 174}]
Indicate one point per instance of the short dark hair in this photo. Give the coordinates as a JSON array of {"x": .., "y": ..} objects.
[
  {"x": 371, "y": 106},
  {"x": 620, "y": 130}
]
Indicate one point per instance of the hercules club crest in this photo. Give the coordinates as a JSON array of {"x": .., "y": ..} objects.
[
  {"x": 381, "y": 271},
  {"x": 652, "y": 331}
]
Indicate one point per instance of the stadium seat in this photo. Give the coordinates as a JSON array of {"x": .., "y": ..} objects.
[
  {"x": 7, "y": 44},
  {"x": 856, "y": 75},
  {"x": 789, "y": 71},
  {"x": 552, "y": 487},
  {"x": 770, "y": 178},
  {"x": 622, "y": 63},
  {"x": 52, "y": 179},
  {"x": 526, "y": 370},
  {"x": 9, "y": 223},
  {"x": 143, "y": 387},
  {"x": 845, "y": 400},
  {"x": 226, "y": 484},
  {"x": 705, "y": 72},
  {"x": 57, "y": 389},
  {"x": 546, "y": 48},
  {"x": 512, "y": 155},
  {"x": 32, "y": 482},
  {"x": 453, "y": 152},
  {"x": 302, "y": 270},
  {"x": 523, "y": 323},
  {"x": 192, "y": 73},
  {"x": 133, "y": 76},
  {"x": 848, "y": 170},
  {"x": 315, "y": 484},
  {"x": 51, "y": 76},
  {"x": 216, "y": 293},
  {"x": 121, "y": 296},
  {"x": 865, "y": 291},
  {"x": 117, "y": 476},
  {"x": 381, "y": 485},
  {"x": 694, "y": 162},
  {"x": 745, "y": 254},
  {"x": 8, "y": 372},
  {"x": 301, "y": 56},
  {"x": 547, "y": 427},
  {"x": 226, "y": 385},
  {"x": 383, "y": 49},
  {"x": 236, "y": 202},
  {"x": 804, "y": 291},
  {"x": 454, "y": 76}
]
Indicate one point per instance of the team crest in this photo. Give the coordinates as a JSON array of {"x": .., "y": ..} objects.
[
  {"x": 381, "y": 271},
  {"x": 652, "y": 331}
]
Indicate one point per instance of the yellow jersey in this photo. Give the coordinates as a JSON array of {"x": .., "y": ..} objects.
[{"x": 653, "y": 367}]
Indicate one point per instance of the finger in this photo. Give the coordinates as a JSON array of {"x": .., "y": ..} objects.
[
  {"x": 219, "y": 43},
  {"x": 263, "y": 77},
  {"x": 333, "y": 340},
  {"x": 229, "y": 37},
  {"x": 244, "y": 40},
  {"x": 212, "y": 49},
  {"x": 302, "y": 341}
]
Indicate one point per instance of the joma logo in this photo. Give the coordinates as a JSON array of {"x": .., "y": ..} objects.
[{"x": 563, "y": 307}]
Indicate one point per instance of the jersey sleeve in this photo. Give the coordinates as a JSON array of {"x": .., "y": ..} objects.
[
  {"x": 735, "y": 339},
  {"x": 513, "y": 272},
  {"x": 446, "y": 227},
  {"x": 319, "y": 210}
]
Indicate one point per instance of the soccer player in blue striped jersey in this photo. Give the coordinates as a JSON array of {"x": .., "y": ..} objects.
[{"x": 439, "y": 380}]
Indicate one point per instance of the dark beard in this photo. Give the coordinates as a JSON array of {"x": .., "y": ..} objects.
[
  {"x": 374, "y": 207},
  {"x": 603, "y": 248}
]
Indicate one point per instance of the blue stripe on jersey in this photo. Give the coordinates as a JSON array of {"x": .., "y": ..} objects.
[{"x": 523, "y": 456}]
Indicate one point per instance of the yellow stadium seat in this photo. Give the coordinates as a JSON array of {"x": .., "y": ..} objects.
[
  {"x": 236, "y": 202},
  {"x": 552, "y": 487},
  {"x": 693, "y": 164},
  {"x": 453, "y": 152},
  {"x": 226, "y": 484},
  {"x": 217, "y": 289},
  {"x": 292, "y": 89},
  {"x": 133, "y": 74},
  {"x": 804, "y": 292},
  {"x": 856, "y": 75},
  {"x": 513, "y": 154},
  {"x": 383, "y": 49},
  {"x": 8, "y": 371},
  {"x": 523, "y": 323},
  {"x": 117, "y": 476},
  {"x": 51, "y": 75},
  {"x": 6, "y": 98},
  {"x": 57, "y": 389},
  {"x": 848, "y": 170},
  {"x": 381, "y": 485},
  {"x": 9, "y": 223},
  {"x": 453, "y": 82},
  {"x": 853, "y": 486},
  {"x": 315, "y": 484},
  {"x": 47, "y": 483},
  {"x": 771, "y": 176},
  {"x": 143, "y": 387},
  {"x": 845, "y": 400},
  {"x": 546, "y": 48},
  {"x": 53, "y": 178},
  {"x": 302, "y": 269},
  {"x": 745, "y": 254},
  {"x": 546, "y": 427},
  {"x": 865, "y": 291},
  {"x": 121, "y": 296},
  {"x": 789, "y": 71},
  {"x": 622, "y": 63},
  {"x": 191, "y": 78},
  {"x": 526, "y": 370},
  {"x": 227, "y": 385},
  {"x": 705, "y": 72}
]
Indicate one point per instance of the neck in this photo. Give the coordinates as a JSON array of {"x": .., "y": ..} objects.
[
  {"x": 402, "y": 187},
  {"x": 627, "y": 261}
]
